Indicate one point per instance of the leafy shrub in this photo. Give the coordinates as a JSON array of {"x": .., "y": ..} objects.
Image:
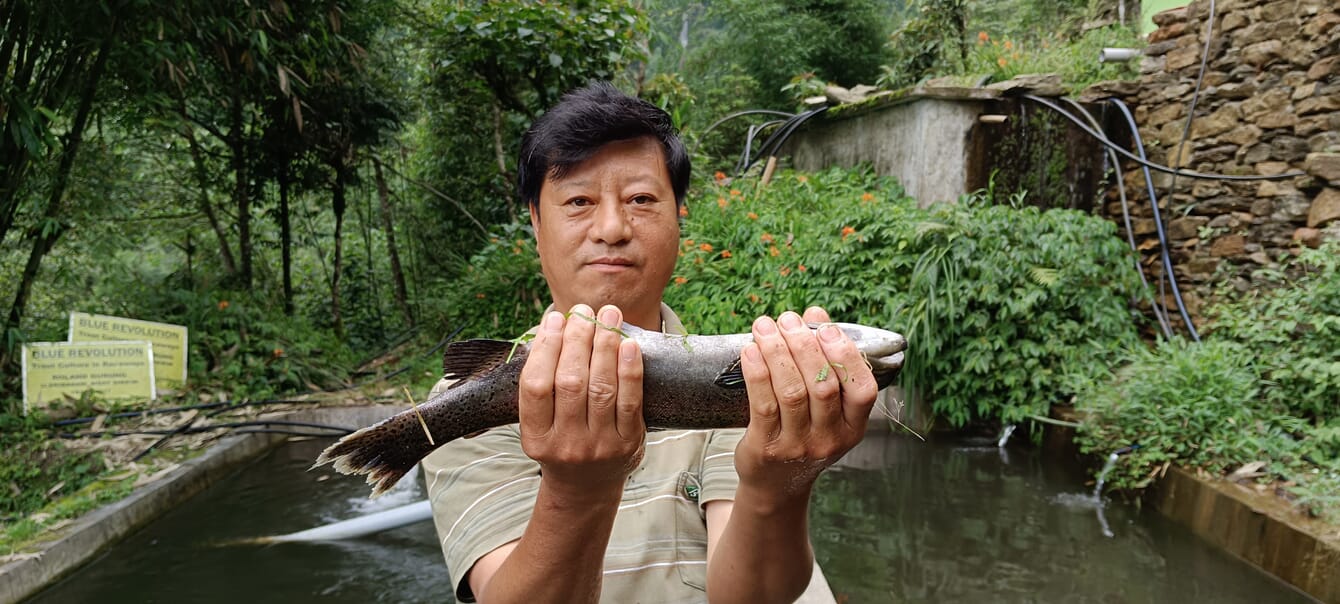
[
  {"x": 1262, "y": 386},
  {"x": 36, "y": 469}
]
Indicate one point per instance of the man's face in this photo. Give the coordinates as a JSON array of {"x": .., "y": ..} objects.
[{"x": 608, "y": 231}]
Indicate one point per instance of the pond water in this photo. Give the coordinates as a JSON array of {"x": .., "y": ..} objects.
[{"x": 899, "y": 521}]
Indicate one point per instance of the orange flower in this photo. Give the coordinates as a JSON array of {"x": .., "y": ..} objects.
[
  {"x": 1001, "y": 61},
  {"x": 751, "y": 216},
  {"x": 773, "y": 251},
  {"x": 722, "y": 203},
  {"x": 493, "y": 240},
  {"x": 846, "y": 230},
  {"x": 681, "y": 253},
  {"x": 480, "y": 296},
  {"x": 688, "y": 243},
  {"x": 735, "y": 193},
  {"x": 725, "y": 253},
  {"x": 753, "y": 298},
  {"x": 521, "y": 243},
  {"x": 867, "y": 197},
  {"x": 706, "y": 247},
  {"x": 278, "y": 352},
  {"x": 1009, "y": 45},
  {"x": 680, "y": 280},
  {"x": 802, "y": 179},
  {"x": 223, "y": 305},
  {"x": 765, "y": 238},
  {"x": 800, "y": 267},
  {"x": 516, "y": 251},
  {"x": 982, "y": 37},
  {"x": 719, "y": 176},
  {"x": 683, "y": 211},
  {"x": 785, "y": 271}
]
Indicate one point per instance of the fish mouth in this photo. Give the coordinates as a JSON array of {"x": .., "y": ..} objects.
[{"x": 886, "y": 368}]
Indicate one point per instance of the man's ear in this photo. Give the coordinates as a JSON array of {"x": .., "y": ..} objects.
[{"x": 535, "y": 221}]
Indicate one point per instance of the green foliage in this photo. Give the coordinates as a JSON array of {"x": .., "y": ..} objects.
[
  {"x": 1294, "y": 312},
  {"x": 501, "y": 293},
  {"x": 35, "y": 469},
  {"x": 1261, "y": 386},
  {"x": 1075, "y": 59}
]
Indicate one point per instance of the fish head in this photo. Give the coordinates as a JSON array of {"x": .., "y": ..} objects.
[{"x": 883, "y": 349}]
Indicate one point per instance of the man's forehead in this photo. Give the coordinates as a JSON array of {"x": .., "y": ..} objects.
[{"x": 639, "y": 160}]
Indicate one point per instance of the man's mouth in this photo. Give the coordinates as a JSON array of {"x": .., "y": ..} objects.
[{"x": 610, "y": 263}]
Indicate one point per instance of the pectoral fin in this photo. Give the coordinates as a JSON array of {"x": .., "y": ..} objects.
[
  {"x": 471, "y": 359},
  {"x": 732, "y": 377}
]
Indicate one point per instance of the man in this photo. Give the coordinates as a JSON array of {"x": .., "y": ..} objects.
[{"x": 577, "y": 502}]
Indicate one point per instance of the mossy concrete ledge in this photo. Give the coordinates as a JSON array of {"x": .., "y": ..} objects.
[
  {"x": 1259, "y": 528},
  {"x": 79, "y": 542}
]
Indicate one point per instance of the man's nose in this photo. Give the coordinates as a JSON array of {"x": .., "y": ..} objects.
[{"x": 611, "y": 222}]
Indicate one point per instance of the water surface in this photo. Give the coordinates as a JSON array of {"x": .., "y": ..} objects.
[{"x": 899, "y": 521}]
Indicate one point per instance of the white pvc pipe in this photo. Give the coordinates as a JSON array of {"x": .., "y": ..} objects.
[
  {"x": 1117, "y": 55},
  {"x": 363, "y": 525}
]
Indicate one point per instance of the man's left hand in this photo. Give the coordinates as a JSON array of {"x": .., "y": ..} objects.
[{"x": 810, "y": 394}]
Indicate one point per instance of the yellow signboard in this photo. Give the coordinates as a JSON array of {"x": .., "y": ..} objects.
[
  {"x": 169, "y": 342},
  {"x": 116, "y": 370}
]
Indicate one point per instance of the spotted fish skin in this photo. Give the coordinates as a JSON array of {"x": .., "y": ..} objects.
[{"x": 689, "y": 382}]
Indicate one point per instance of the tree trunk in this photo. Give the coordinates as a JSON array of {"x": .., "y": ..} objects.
[
  {"x": 202, "y": 200},
  {"x": 285, "y": 236},
  {"x": 50, "y": 227},
  {"x": 338, "y": 203},
  {"x": 388, "y": 223},
  {"x": 241, "y": 196}
]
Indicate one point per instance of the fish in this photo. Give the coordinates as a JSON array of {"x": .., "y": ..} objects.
[{"x": 689, "y": 382}]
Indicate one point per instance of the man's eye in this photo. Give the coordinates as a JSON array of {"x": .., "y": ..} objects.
[
  {"x": 580, "y": 202},
  {"x": 641, "y": 199}
]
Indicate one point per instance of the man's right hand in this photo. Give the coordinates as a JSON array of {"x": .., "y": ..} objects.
[{"x": 580, "y": 403}]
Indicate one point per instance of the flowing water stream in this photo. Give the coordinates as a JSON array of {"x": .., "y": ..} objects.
[{"x": 899, "y": 521}]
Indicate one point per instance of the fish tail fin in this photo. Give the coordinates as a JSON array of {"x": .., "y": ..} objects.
[{"x": 380, "y": 451}]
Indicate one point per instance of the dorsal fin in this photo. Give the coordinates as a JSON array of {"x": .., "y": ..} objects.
[
  {"x": 470, "y": 359},
  {"x": 732, "y": 377}
]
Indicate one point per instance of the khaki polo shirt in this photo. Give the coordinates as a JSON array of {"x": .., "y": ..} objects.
[{"x": 483, "y": 490}]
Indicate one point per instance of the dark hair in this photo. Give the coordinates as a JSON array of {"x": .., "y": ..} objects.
[{"x": 586, "y": 119}]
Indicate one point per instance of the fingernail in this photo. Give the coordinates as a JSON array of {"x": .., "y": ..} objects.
[
  {"x": 751, "y": 352},
  {"x": 583, "y": 310},
  {"x": 765, "y": 326},
  {"x": 830, "y": 333},
  {"x": 628, "y": 350},
  {"x": 609, "y": 315},
  {"x": 790, "y": 321},
  {"x": 553, "y": 321}
]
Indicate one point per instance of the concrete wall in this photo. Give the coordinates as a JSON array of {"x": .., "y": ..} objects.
[{"x": 922, "y": 140}]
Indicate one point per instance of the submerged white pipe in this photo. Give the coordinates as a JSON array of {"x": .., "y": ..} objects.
[{"x": 363, "y": 525}]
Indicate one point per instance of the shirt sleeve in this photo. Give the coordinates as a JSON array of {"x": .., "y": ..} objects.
[
  {"x": 718, "y": 475},
  {"x": 482, "y": 491}
]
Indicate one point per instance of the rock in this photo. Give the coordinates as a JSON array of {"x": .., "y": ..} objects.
[
  {"x": 1183, "y": 57},
  {"x": 1321, "y": 24},
  {"x": 1040, "y": 84},
  {"x": 841, "y": 95},
  {"x": 1202, "y": 189},
  {"x": 1311, "y": 125},
  {"x": 1267, "y": 102},
  {"x": 1271, "y": 188},
  {"x": 1235, "y": 90},
  {"x": 1320, "y": 143},
  {"x": 1325, "y": 208},
  {"x": 1186, "y": 227},
  {"x": 1325, "y": 166},
  {"x": 1109, "y": 89},
  {"x": 1325, "y": 67},
  {"x": 1242, "y": 135},
  {"x": 1228, "y": 245},
  {"x": 1307, "y": 236},
  {"x": 1163, "y": 115},
  {"x": 1259, "y": 258},
  {"x": 1167, "y": 33},
  {"x": 1170, "y": 16},
  {"x": 1318, "y": 104},
  {"x": 1264, "y": 53},
  {"x": 1262, "y": 207},
  {"x": 1271, "y": 168},
  {"x": 1223, "y": 120},
  {"x": 1232, "y": 21},
  {"x": 1222, "y": 221}
]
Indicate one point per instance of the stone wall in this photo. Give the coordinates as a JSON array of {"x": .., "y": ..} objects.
[{"x": 1270, "y": 104}]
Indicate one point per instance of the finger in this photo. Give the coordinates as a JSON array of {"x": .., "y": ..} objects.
[
  {"x": 787, "y": 384},
  {"x": 574, "y": 365},
  {"x": 535, "y": 405},
  {"x": 823, "y": 391},
  {"x": 816, "y": 315},
  {"x": 602, "y": 385},
  {"x": 856, "y": 380},
  {"x": 764, "y": 415},
  {"x": 629, "y": 406}
]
